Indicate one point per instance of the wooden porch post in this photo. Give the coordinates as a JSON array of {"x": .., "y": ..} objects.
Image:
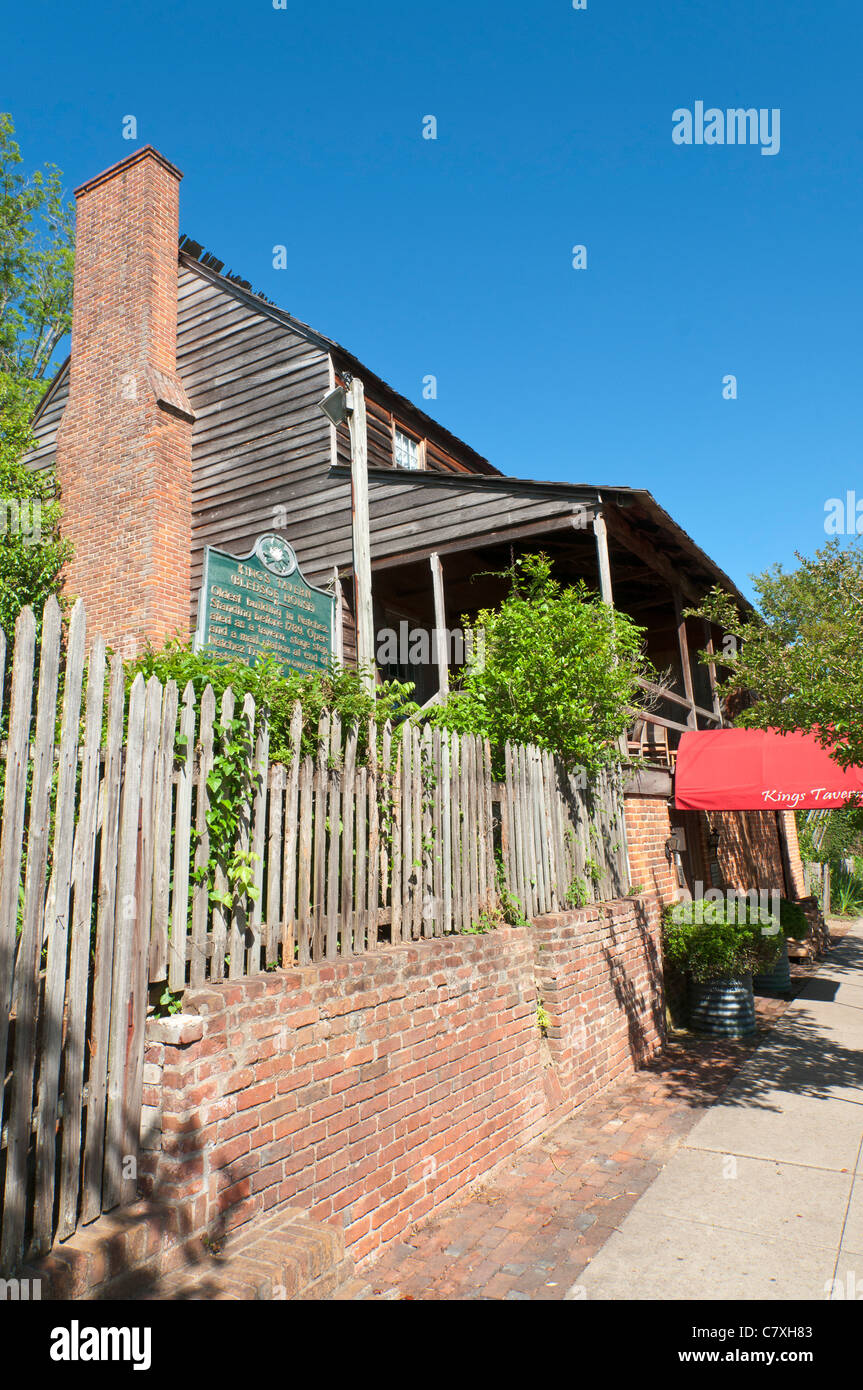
[
  {"x": 601, "y": 534},
  {"x": 440, "y": 634},
  {"x": 339, "y": 619},
  {"x": 683, "y": 645},
  {"x": 712, "y": 669}
]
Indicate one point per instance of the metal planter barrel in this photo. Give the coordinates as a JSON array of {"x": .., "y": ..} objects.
[
  {"x": 723, "y": 1008},
  {"x": 776, "y": 980}
]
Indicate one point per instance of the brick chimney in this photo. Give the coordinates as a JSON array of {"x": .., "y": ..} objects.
[{"x": 124, "y": 447}]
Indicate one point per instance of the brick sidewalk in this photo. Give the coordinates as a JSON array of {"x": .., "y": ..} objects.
[{"x": 528, "y": 1233}]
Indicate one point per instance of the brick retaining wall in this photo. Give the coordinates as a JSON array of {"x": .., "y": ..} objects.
[{"x": 370, "y": 1091}]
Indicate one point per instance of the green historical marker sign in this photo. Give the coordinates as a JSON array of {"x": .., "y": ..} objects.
[{"x": 260, "y": 602}]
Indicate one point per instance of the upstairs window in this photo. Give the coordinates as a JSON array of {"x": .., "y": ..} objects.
[{"x": 407, "y": 450}]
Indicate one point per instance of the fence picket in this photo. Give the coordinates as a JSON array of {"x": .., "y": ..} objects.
[
  {"x": 289, "y": 862},
  {"x": 136, "y": 983},
  {"x": 239, "y": 931},
  {"x": 201, "y": 891},
  {"x": 360, "y": 912},
  {"x": 163, "y": 818},
  {"x": 275, "y": 830},
  {"x": 417, "y": 803},
  {"x": 19, "y": 1110},
  {"x": 393, "y": 779},
  {"x": 455, "y": 831},
  {"x": 305, "y": 919},
  {"x": 26, "y": 987},
  {"x": 220, "y": 878},
  {"x": 376, "y": 848},
  {"x": 56, "y": 930},
  {"x": 182, "y": 842},
  {"x": 259, "y": 825},
  {"x": 436, "y": 849},
  {"x": 14, "y": 804},
  {"x": 79, "y": 952},
  {"x": 334, "y": 800},
  {"x": 153, "y": 714},
  {"x": 427, "y": 913},
  {"x": 319, "y": 860},
  {"x": 121, "y": 1141},
  {"x": 350, "y": 912},
  {"x": 491, "y": 862},
  {"x": 99, "y": 1042},
  {"x": 407, "y": 810}
]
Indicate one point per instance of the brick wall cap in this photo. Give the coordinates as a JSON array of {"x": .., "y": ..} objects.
[
  {"x": 177, "y": 1030},
  {"x": 146, "y": 152}
]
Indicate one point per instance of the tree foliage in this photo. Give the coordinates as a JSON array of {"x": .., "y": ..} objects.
[
  {"x": 36, "y": 265},
  {"x": 36, "y": 262},
  {"x": 801, "y": 657},
  {"x": 553, "y": 666},
  {"x": 338, "y": 689},
  {"x": 32, "y": 553}
]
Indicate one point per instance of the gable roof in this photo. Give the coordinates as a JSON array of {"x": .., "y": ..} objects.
[
  {"x": 344, "y": 360},
  {"x": 484, "y": 499}
]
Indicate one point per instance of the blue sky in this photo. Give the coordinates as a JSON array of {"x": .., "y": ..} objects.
[{"x": 303, "y": 126}]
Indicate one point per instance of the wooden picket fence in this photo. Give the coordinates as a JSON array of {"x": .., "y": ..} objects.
[{"x": 108, "y": 886}]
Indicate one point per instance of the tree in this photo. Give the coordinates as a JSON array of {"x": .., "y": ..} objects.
[
  {"x": 32, "y": 553},
  {"x": 800, "y": 658},
  {"x": 554, "y": 666},
  {"x": 36, "y": 265}
]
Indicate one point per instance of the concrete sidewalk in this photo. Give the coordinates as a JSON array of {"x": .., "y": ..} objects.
[{"x": 764, "y": 1198}]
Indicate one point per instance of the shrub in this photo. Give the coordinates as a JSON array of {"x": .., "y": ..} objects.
[
  {"x": 553, "y": 666},
  {"x": 792, "y": 920},
  {"x": 338, "y": 689},
  {"x": 712, "y": 941}
]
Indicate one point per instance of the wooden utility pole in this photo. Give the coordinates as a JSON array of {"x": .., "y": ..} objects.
[{"x": 356, "y": 400}]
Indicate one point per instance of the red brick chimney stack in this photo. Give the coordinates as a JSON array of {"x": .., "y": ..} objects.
[{"x": 124, "y": 448}]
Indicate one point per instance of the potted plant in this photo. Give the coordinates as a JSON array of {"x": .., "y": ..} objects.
[
  {"x": 718, "y": 944},
  {"x": 793, "y": 924}
]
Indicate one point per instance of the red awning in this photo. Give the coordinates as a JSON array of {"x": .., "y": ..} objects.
[{"x": 759, "y": 770}]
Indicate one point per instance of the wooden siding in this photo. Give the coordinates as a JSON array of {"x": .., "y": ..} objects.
[
  {"x": 416, "y": 514},
  {"x": 259, "y": 444},
  {"x": 45, "y": 427},
  {"x": 380, "y": 420}
]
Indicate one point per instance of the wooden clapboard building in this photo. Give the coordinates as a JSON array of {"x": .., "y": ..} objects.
[{"x": 189, "y": 415}]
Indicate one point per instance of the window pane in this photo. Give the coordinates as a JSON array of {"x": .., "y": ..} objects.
[{"x": 407, "y": 451}]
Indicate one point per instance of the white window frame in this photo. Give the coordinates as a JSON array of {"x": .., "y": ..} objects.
[{"x": 412, "y": 439}]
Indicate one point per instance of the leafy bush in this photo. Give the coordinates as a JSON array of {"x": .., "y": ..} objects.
[
  {"x": 792, "y": 920},
  {"x": 712, "y": 941},
  {"x": 338, "y": 689},
  {"x": 846, "y": 895},
  {"x": 553, "y": 666}
]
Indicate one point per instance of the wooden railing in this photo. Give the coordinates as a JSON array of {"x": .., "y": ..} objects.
[{"x": 661, "y": 744}]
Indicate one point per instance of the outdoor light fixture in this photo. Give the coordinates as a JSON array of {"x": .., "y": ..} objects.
[
  {"x": 713, "y": 840},
  {"x": 672, "y": 847},
  {"x": 335, "y": 406}
]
